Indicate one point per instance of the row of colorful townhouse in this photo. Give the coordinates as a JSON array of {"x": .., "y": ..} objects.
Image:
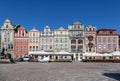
[{"x": 76, "y": 39}]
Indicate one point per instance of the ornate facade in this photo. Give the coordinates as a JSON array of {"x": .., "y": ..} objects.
[
  {"x": 76, "y": 39},
  {"x": 20, "y": 42},
  {"x": 47, "y": 40},
  {"x": 61, "y": 39},
  {"x": 90, "y": 39},
  {"x": 107, "y": 40},
  {"x": 7, "y": 37},
  {"x": 34, "y": 40},
  {"x": 76, "y": 36}
]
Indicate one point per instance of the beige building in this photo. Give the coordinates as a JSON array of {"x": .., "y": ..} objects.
[
  {"x": 34, "y": 40},
  {"x": 76, "y": 35},
  {"x": 61, "y": 40}
]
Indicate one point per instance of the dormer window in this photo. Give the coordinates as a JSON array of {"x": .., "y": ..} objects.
[
  {"x": 33, "y": 34},
  {"x": 22, "y": 34},
  {"x": 89, "y": 29},
  {"x": 6, "y": 26},
  {"x": 104, "y": 32},
  {"x": 110, "y": 32},
  {"x": 93, "y": 29},
  {"x": 78, "y": 27}
]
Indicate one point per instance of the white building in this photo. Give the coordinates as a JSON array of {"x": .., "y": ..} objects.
[
  {"x": 46, "y": 42},
  {"x": 7, "y": 37}
]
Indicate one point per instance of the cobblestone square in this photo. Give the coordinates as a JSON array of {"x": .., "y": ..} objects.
[{"x": 75, "y": 71}]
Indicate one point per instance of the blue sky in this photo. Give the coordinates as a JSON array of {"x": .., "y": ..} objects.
[{"x": 57, "y": 13}]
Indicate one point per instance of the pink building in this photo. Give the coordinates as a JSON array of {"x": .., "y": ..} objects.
[
  {"x": 107, "y": 40},
  {"x": 20, "y": 42},
  {"x": 90, "y": 39}
]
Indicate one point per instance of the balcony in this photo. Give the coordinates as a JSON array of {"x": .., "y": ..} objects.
[{"x": 76, "y": 35}]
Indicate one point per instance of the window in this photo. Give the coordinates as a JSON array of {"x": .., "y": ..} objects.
[
  {"x": 42, "y": 47},
  {"x": 33, "y": 34},
  {"x": 99, "y": 39},
  {"x": 16, "y": 41},
  {"x": 42, "y": 39},
  {"x": 24, "y": 47},
  {"x": 33, "y": 40},
  {"x": 104, "y": 39},
  {"x": 109, "y": 40},
  {"x": 78, "y": 26},
  {"x": 8, "y": 46},
  {"x": 16, "y": 47},
  {"x": 36, "y": 40},
  {"x": 89, "y": 29},
  {"x": 6, "y": 26},
  {"x": 50, "y": 39},
  {"x": 24, "y": 41},
  {"x": 46, "y": 40},
  {"x": 22, "y": 34},
  {"x": 104, "y": 46},
  {"x": 30, "y": 48},
  {"x": 56, "y": 45},
  {"x": 104, "y": 32},
  {"x": 11, "y": 46},
  {"x": 56, "y": 39},
  {"x": 21, "y": 48},
  {"x": 30, "y": 40},
  {"x": 61, "y": 46},
  {"x": 21, "y": 41},
  {"x": 8, "y": 33},
  {"x": 110, "y": 32},
  {"x": 5, "y": 39},
  {"x": 8, "y": 39},
  {"x": 114, "y": 40},
  {"x": 114, "y": 47},
  {"x": 50, "y": 46},
  {"x": 93, "y": 29},
  {"x": 75, "y": 27},
  {"x": 99, "y": 46},
  {"x": 109, "y": 46},
  {"x": 46, "y": 46},
  {"x": 60, "y": 39},
  {"x": 65, "y": 45},
  {"x": 65, "y": 39},
  {"x": 33, "y": 48},
  {"x": 36, "y": 48}
]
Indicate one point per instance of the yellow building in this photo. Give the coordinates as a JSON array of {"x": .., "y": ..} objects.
[
  {"x": 34, "y": 40},
  {"x": 61, "y": 39}
]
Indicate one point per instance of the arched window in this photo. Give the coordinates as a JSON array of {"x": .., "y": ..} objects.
[
  {"x": 73, "y": 41},
  {"x": 6, "y": 26}
]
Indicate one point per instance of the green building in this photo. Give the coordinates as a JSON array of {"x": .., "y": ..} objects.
[{"x": 61, "y": 40}]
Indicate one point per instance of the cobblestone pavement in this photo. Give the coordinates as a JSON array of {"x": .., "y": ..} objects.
[{"x": 76, "y": 71}]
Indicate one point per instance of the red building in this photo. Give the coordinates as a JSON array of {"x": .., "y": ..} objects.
[{"x": 20, "y": 42}]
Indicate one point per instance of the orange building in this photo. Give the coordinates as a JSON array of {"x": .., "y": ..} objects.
[{"x": 20, "y": 42}]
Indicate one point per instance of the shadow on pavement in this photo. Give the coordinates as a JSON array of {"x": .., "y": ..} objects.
[{"x": 115, "y": 76}]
